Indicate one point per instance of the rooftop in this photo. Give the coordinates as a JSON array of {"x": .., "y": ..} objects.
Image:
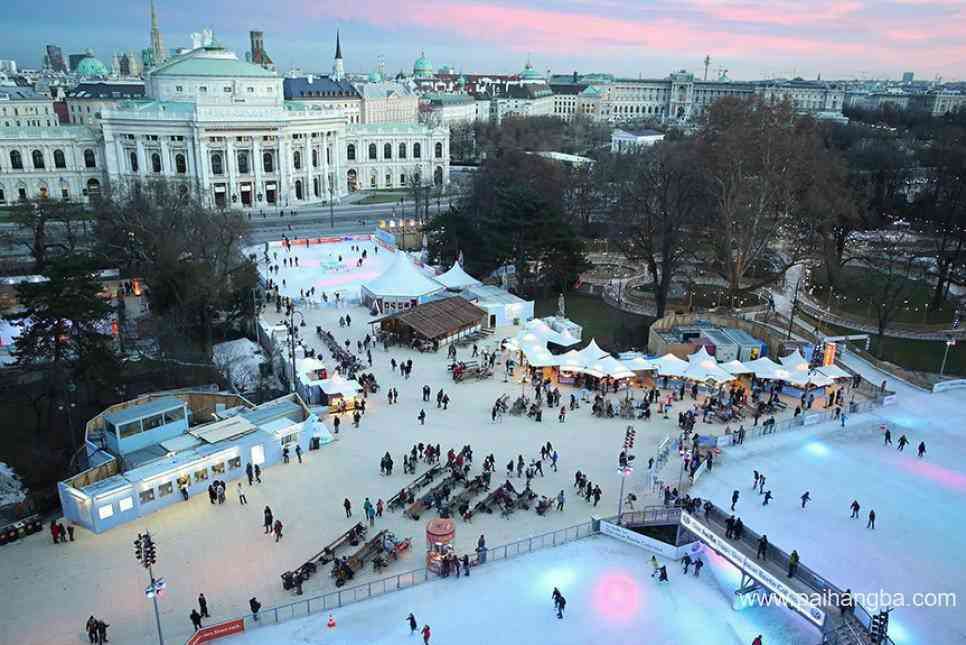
[
  {"x": 389, "y": 128},
  {"x": 440, "y": 318},
  {"x": 490, "y": 294},
  {"x": 13, "y": 93},
  {"x": 210, "y": 61},
  {"x": 107, "y": 91},
  {"x": 149, "y": 408},
  {"x": 73, "y": 132},
  {"x": 318, "y": 87}
]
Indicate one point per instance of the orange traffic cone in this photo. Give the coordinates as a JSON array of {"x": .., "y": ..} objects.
[{"x": 331, "y": 622}]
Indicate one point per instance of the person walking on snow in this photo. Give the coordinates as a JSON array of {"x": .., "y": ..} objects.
[
  {"x": 278, "y": 530},
  {"x": 412, "y": 624},
  {"x": 686, "y": 560},
  {"x": 805, "y": 499},
  {"x": 855, "y": 508}
]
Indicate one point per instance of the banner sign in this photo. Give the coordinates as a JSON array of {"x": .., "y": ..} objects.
[
  {"x": 632, "y": 537},
  {"x": 789, "y": 596},
  {"x": 206, "y": 634}
]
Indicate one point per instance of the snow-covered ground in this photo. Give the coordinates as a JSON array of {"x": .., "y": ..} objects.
[{"x": 611, "y": 598}]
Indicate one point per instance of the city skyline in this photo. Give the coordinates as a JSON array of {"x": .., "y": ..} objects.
[{"x": 748, "y": 38}]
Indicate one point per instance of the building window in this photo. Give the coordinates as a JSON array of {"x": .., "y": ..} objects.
[
  {"x": 201, "y": 475},
  {"x": 251, "y": 90},
  {"x": 372, "y": 151},
  {"x": 22, "y": 193},
  {"x": 129, "y": 429},
  {"x": 316, "y": 187},
  {"x": 298, "y": 189},
  {"x": 243, "y": 163},
  {"x": 134, "y": 161},
  {"x": 234, "y": 463},
  {"x": 125, "y": 504},
  {"x": 439, "y": 150},
  {"x": 105, "y": 512},
  {"x": 65, "y": 194},
  {"x": 147, "y": 496},
  {"x": 268, "y": 163},
  {"x": 203, "y": 89},
  {"x": 59, "y": 160},
  {"x": 387, "y": 151},
  {"x": 217, "y": 168},
  {"x": 402, "y": 150},
  {"x": 155, "y": 162},
  {"x": 38, "y": 157},
  {"x": 90, "y": 161},
  {"x": 178, "y": 88},
  {"x": 350, "y": 152},
  {"x": 417, "y": 151},
  {"x": 297, "y": 160},
  {"x": 315, "y": 157},
  {"x": 165, "y": 489},
  {"x": 16, "y": 161},
  {"x": 227, "y": 89},
  {"x": 152, "y": 422},
  {"x": 402, "y": 179}
]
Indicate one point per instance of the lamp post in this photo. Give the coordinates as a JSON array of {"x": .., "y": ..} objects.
[
  {"x": 624, "y": 468},
  {"x": 949, "y": 343},
  {"x": 147, "y": 554},
  {"x": 292, "y": 337},
  {"x": 331, "y": 207}
]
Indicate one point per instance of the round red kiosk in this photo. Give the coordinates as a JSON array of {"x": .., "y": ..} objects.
[{"x": 439, "y": 535}]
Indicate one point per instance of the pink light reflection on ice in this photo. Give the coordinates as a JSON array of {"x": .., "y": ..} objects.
[
  {"x": 942, "y": 476},
  {"x": 617, "y": 597}
]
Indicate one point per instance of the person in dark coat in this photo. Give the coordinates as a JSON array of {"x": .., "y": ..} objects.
[
  {"x": 102, "y": 631},
  {"x": 254, "y": 605},
  {"x": 871, "y": 523},
  {"x": 466, "y": 565},
  {"x": 734, "y": 499},
  {"x": 250, "y": 473},
  {"x": 762, "y": 548},
  {"x": 347, "y": 505},
  {"x": 203, "y": 605},
  {"x": 922, "y": 448},
  {"x": 739, "y": 529},
  {"x": 92, "y": 629},
  {"x": 268, "y": 520},
  {"x": 730, "y": 526},
  {"x": 662, "y": 575},
  {"x": 195, "y": 619},
  {"x": 258, "y": 474},
  {"x": 792, "y": 564},
  {"x": 855, "y": 508},
  {"x": 698, "y": 563},
  {"x": 412, "y": 624}
]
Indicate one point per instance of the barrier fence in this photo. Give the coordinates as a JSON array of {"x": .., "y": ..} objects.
[{"x": 342, "y": 597}]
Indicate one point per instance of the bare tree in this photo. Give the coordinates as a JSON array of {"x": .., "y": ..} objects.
[
  {"x": 892, "y": 261},
  {"x": 49, "y": 227},
  {"x": 657, "y": 208}
]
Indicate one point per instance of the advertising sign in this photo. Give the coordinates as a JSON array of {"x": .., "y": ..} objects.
[
  {"x": 632, "y": 537},
  {"x": 206, "y": 634},
  {"x": 789, "y": 596}
]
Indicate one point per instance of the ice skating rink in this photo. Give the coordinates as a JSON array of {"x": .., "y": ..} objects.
[
  {"x": 611, "y": 598},
  {"x": 919, "y": 541}
]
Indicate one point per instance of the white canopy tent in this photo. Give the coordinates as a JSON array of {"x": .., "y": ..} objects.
[
  {"x": 639, "y": 364},
  {"x": 800, "y": 373},
  {"x": 702, "y": 366},
  {"x": 764, "y": 368},
  {"x": 670, "y": 365},
  {"x": 456, "y": 278},
  {"x": 833, "y": 372},
  {"x": 608, "y": 366},
  {"x": 736, "y": 367},
  {"x": 400, "y": 286}
]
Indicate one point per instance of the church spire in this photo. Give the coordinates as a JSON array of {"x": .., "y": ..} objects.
[
  {"x": 157, "y": 49},
  {"x": 338, "y": 46},
  {"x": 338, "y": 71}
]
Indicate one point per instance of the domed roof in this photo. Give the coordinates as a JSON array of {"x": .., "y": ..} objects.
[
  {"x": 90, "y": 66},
  {"x": 422, "y": 68},
  {"x": 375, "y": 77},
  {"x": 530, "y": 74}
]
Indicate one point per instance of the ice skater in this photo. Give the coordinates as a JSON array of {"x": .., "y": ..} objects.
[
  {"x": 888, "y": 437},
  {"x": 656, "y": 568},
  {"x": 662, "y": 575},
  {"x": 413, "y": 626},
  {"x": 686, "y": 561},
  {"x": 268, "y": 520},
  {"x": 871, "y": 523},
  {"x": 734, "y": 499},
  {"x": 698, "y": 563},
  {"x": 426, "y": 634},
  {"x": 855, "y": 508},
  {"x": 903, "y": 442},
  {"x": 793, "y": 564},
  {"x": 755, "y": 485},
  {"x": 762, "y": 552},
  {"x": 806, "y": 498},
  {"x": 768, "y": 497},
  {"x": 922, "y": 449}
]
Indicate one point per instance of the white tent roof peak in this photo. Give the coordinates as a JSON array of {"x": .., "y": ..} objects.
[
  {"x": 402, "y": 279},
  {"x": 456, "y": 278}
]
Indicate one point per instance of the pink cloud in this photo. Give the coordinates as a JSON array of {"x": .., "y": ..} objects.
[{"x": 789, "y": 14}]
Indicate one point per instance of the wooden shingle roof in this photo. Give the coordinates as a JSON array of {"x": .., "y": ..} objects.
[{"x": 440, "y": 318}]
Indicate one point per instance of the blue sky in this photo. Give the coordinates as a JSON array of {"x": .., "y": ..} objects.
[{"x": 749, "y": 38}]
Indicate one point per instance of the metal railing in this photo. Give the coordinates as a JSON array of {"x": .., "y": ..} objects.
[
  {"x": 365, "y": 591},
  {"x": 648, "y": 516}
]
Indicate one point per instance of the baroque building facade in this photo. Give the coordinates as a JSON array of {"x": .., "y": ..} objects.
[{"x": 223, "y": 127}]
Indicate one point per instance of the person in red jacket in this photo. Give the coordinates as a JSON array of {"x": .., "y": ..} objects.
[
  {"x": 757, "y": 640},
  {"x": 426, "y": 634}
]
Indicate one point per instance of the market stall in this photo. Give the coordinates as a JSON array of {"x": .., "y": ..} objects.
[
  {"x": 401, "y": 286},
  {"x": 435, "y": 323}
]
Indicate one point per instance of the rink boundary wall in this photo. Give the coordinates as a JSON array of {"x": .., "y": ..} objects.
[{"x": 342, "y": 597}]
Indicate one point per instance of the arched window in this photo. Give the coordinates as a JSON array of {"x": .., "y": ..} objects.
[
  {"x": 315, "y": 157},
  {"x": 297, "y": 160},
  {"x": 417, "y": 151},
  {"x": 90, "y": 161},
  {"x": 243, "y": 163},
  {"x": 387, "y": 151},
  {"x": 59, "y": 160},
  {"x": 438, "y": 175},
  {"x": 350, "y": 152},
  {"x": 217, "y": 167},
  {"x": 439, "y": 150},
  {"x": 156, "y": 163},
  {"x": 316, "y": 187},
  {"x": 298, "y": 189},
  {"x": 38, "y": 160},
  {"x": 134, "y": 161},
  {"x": 402, "y": 150},
  {"x": 372, "y": 151},
  {"x": 180, "y": 164},
  {"x": 16, "y": 161},
  {"x": 268, "y": 162}
]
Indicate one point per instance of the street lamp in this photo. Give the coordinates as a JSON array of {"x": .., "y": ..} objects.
[
  {"x": 147, "y": 554},
  {"x": 292, "y": 337},
  {"x": 791, "y": 314},
  {"x": 624, "y": 468},
  {"x": 949, "y": 343},
  {"x": 331, "y": 208}
]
